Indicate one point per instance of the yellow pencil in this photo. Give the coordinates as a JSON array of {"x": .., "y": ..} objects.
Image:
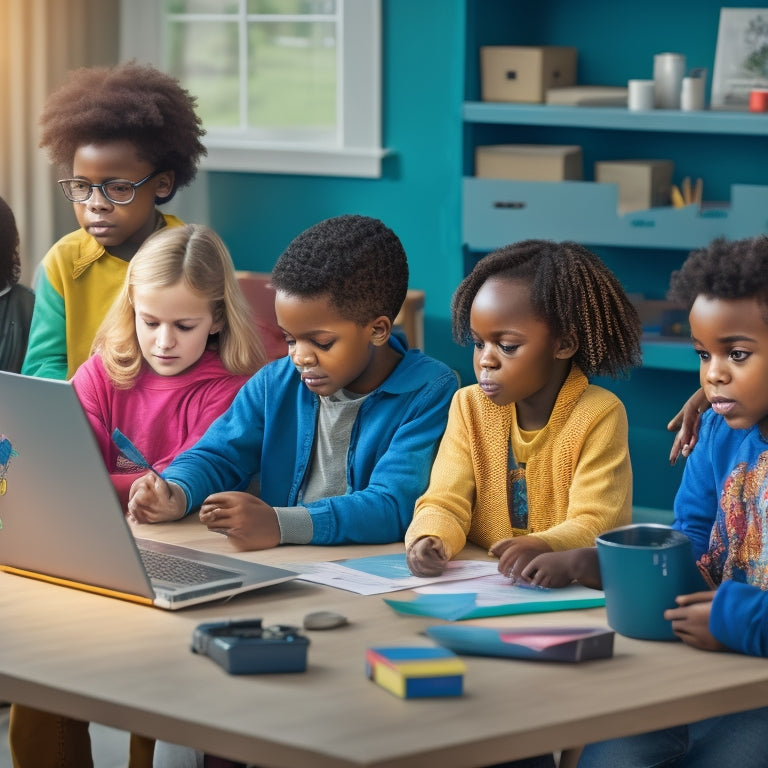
[
  {"x": 676, "y": 197},
  {"x": 687, "y": 190}
]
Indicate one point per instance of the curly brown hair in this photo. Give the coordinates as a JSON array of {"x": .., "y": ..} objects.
[
  {"x": 573, "y": 292},
  {"x": 129, "y": 101},
  {"x": 10, "y": 264},
  {"x": 736, "y": 269},
  {"x": 356, "y": 261}
]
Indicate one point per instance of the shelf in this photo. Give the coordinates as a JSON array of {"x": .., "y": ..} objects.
[
  {"x": 669, "y": 354},
  {"x": 497, "y": 212},
  {"x": 618, "y": 118}
]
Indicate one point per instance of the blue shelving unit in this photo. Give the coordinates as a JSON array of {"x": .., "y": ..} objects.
[
  {"x": 617, "y": 118},
  {"x": 496, "y": 211},
  {"x": 729, "y": 150}
]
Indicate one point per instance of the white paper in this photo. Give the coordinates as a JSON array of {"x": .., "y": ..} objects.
[{"x": 334, "y": 574}]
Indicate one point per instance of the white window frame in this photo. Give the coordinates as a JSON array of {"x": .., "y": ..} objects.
[{"x": 358, "y": 151}]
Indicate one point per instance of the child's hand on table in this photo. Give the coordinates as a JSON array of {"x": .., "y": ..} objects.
[
  {"x": 690, "y": 620},
  {"x": 246, "y": 520},
  {"x": 515, "y": 553},
  {"x": 426, "y": 556},
  {"x": 152, "y": 500},
  {"x": 559, "y": 569}
]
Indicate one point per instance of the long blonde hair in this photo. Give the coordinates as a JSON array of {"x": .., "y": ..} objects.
[{"x": 196, "y": 255}]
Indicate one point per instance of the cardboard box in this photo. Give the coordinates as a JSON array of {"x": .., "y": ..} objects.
[
  {"x": 525, "y": 72},
  {"x": 529, "y": 162},
  {"x": 588, "y": 96},
  {"x": 642, "y": 184}
]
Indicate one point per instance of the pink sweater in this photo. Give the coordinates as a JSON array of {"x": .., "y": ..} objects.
[{"x": 161, "y": 415}]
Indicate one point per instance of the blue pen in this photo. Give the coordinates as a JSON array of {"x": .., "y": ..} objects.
[
  {"x": 526, "y": 584},
  {"x": 130, "y": 451}
]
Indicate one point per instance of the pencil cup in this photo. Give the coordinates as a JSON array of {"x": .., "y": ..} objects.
[
  {"x": 644, "y": 567},
  {"x": 668, "y": 73},
  {"x": 692, "y": 94},
  {"x": 640, "y": 95}
]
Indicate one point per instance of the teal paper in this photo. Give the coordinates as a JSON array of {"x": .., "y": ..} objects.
[
  {"x": 385, "y": 566},
  {"x": 464, "y": 606}
]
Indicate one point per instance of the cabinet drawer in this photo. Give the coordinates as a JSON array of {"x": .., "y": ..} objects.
[{"x": 497, "y": 212}]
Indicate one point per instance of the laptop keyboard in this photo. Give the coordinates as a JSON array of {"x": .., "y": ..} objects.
[{"x": 179, "y": 570}]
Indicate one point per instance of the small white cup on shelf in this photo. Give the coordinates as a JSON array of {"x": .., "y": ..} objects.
[
  {"x": 692, "y": 94},
  {"x": 640, "y": 95}
]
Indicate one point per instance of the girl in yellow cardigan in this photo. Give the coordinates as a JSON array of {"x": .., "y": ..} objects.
[{"x": 534, "y": 458}]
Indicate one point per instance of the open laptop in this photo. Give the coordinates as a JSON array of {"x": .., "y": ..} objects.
[{"x": 61, "y": 520}]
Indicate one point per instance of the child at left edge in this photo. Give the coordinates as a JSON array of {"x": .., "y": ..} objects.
[{"x": 534, "y": 458}]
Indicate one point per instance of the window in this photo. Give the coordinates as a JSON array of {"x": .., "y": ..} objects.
[{"x": 283, "y": 86}]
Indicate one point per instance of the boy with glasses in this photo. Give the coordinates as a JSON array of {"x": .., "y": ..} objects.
[{"x": 126, "y": 138}]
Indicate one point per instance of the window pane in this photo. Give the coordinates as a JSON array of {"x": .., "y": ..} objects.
[
  {"x": 292, "y": 76},
  {"x": 203, "y": 56},
  {"x": 202, "y": 6},
  {"x": 291, "y": 6}
]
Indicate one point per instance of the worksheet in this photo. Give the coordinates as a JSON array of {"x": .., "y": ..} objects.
[{"x": 378, "y": 574}]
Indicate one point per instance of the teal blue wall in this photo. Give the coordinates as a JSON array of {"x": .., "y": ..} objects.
[{"x": 419, "y": 196}]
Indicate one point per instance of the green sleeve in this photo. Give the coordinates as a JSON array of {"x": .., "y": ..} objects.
[{"x": 47, "y": 347}]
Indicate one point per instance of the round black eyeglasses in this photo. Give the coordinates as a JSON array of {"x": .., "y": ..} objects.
[{"x": 119, "y": 191}]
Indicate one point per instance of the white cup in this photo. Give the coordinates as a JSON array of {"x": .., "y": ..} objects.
[
  {"x": 668, "y": 73},
  {"x": 640, "y": 95},
  {"x": 692, "y": 94}
]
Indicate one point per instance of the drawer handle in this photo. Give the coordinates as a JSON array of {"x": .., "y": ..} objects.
[{"x": 508, "y": 204}]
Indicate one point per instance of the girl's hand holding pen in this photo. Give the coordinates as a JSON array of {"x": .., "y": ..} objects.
[{"x": 153, "y": 500}]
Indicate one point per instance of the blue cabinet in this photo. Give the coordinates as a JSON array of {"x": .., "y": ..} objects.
[{"x": 728, "y": 150}]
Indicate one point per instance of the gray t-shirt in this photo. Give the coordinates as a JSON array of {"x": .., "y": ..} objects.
[{"x": 328, "y": 471}]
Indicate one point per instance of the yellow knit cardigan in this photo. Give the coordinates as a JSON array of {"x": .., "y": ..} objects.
[{"x": 578, "y": 473}]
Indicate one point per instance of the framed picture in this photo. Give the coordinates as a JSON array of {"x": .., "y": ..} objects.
[{"x": 741, "y": 57}]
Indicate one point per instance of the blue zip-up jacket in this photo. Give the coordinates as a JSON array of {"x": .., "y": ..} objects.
[
  {"x": 728, "y": 466},
  {"x": 269, "y": 430}
]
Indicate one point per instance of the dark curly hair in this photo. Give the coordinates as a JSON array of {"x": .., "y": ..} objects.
[
  {"x": 736, "y": 269},
  {"x": 573, "y": 292},
  {"x": 356, "y": 261},
  {"x": 10, "y": 264},
  {"x": 129, "y": 101}
]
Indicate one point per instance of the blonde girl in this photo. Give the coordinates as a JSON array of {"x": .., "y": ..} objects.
[{"x": 171, "y": 353}]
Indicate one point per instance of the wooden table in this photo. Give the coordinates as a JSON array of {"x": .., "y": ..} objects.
[{"x": 130, "y": 667}]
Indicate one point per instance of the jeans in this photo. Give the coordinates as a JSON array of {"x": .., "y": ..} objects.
[{"x": 739, "y": 740}]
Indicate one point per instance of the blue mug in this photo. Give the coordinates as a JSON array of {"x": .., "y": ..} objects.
[{"x": 644, "y": 567}]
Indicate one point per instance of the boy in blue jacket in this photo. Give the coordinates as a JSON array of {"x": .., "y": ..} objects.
[
  {"x": 341, "y": 433},
  {"x": 722, "y": 504}
]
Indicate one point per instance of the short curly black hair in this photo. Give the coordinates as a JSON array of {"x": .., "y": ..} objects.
[
  {"x": 129, "y": 101},
  {"x": 573, "y": 292},
  {"x": 10, "y": 263},
  {"x": 356, "y": 261},
  {"x": 736, "y": 269}
]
